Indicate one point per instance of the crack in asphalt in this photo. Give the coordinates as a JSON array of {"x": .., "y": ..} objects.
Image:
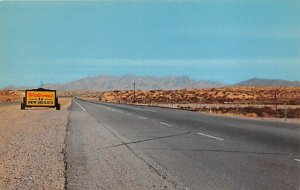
[
  {"x": 218, "y": 150},
  {"x": 145, "y": 140},
  {"x": 151, "y": 167}
]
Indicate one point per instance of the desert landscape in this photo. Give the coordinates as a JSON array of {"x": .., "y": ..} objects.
[
  {"x": 149, "y": 95},
  {"x": 241, "y": 100},
  {"x": 236, "y": 100}
]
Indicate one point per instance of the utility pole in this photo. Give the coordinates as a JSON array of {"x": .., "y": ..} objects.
[
  {"x": 285, "y": 112},
  {"x": 275, "y": 101},
  {"x": 134, "y": 92}
]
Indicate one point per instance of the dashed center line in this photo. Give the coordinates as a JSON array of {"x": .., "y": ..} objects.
[
  {"x": 142, "y": 118},
  {"x": 128, "y": 113},
  {"x": 298, "y": 160},
  {"x": 210, "y": 136},
  {"x": 165, "y": 124}
]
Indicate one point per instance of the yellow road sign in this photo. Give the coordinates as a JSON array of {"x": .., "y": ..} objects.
[{"x": 40, "y": 98}]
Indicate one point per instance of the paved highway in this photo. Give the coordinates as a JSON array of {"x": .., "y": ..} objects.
[{"x": 186, "y": 149}]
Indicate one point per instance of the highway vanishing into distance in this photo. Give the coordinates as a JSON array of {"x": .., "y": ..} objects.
[{"x": 117, "y": 146}]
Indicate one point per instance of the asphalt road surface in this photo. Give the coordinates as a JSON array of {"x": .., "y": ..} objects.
[{"x": 174, "y": 149}]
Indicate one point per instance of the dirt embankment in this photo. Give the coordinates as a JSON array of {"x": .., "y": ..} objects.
[
  {"x": 31, "y": 147},
  {"x": 11, "y": 95},
  {"x": 244, "y": 101}
]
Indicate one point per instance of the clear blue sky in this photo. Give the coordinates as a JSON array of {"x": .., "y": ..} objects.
[{"x": 220, "y": 40}]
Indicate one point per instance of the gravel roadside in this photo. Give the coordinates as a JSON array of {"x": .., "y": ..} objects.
[{"x": 31, "y": 147}]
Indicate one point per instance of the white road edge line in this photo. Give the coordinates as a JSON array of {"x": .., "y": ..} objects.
[
  {"x": 79, "y": 105},
  {"x": 297, "y": 160},
  {"x": 143, "y": 109},
  {"x": 165, "y": 124},
  {"x": 142, "y": 118},
  {"x": 210, "y": 136}
]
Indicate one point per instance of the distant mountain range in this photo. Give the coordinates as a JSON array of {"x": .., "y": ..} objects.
[
  {"x": 267, "y": 82},
  {"x": 108, "y": 83}
]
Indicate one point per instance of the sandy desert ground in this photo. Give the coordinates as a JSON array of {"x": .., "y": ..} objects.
[
  {"x": 228, "y": 95},
  {"x": 11, "y": 95}
]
